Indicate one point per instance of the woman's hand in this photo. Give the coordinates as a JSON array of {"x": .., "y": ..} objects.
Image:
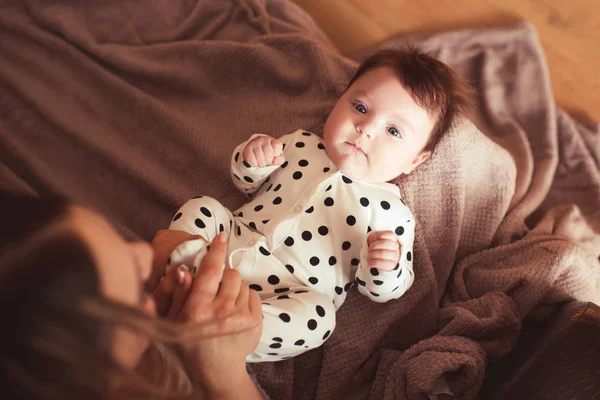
[
  {"x": 219, "y": 297},
  {"x": 170, "y": 290},
  {"x": 163, "y": 244}
]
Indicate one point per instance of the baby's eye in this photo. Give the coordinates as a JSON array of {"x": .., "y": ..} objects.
[
  {"x": 394, "y": 132},
  {"x": 360, "y": 108}
]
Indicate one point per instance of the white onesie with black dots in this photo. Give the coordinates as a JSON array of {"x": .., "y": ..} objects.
[{"x": 301, "y": 241}]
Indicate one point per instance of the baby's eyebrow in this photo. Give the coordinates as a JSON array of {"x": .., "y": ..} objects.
[{"x": 359, "y": 92}]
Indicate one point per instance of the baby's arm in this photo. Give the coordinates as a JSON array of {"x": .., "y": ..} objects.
[
  {"x": 254, "y": 160},
  {"x": 390, "y": 274}
]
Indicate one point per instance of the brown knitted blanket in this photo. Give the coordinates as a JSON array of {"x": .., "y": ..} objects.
[{"x": 133, "y": 107}]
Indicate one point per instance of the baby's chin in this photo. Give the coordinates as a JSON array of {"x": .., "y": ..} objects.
[
  {"x": 352, "y": 166},
  {"x": 358, "y": 173},
  {"x": 354, "y": 172}
]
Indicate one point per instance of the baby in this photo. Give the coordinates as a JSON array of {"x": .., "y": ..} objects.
[{"x": 322, "y": 215}]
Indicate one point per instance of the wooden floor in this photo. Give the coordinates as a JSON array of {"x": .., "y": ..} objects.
[{"x": 569, "y": 32}]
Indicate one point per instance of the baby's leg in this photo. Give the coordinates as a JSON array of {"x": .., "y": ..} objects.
[
  {"x": 202, "y": 216},
  {"x": 295, "y": 318}
]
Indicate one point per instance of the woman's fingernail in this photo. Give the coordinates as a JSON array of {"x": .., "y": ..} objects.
[{"x": 222, "y": 237}]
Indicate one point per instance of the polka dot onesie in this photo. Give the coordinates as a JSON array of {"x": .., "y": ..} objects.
[{"x": 301, "y": 241}]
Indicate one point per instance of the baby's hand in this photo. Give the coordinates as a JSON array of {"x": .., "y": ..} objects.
[
  {"x": 384, "y": 250},
  {"x": 264, "y": 151}
]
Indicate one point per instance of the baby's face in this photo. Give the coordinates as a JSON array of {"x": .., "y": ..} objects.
[{"x": 376, "y": 131}]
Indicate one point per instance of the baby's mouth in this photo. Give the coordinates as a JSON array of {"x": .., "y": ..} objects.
[{"x": 357, "y": 148}]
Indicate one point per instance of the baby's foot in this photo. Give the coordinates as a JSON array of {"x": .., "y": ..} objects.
[{"x": 188, "y": 254}]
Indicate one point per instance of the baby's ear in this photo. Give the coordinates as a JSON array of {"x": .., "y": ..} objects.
[{"x": 422, "y": 156}]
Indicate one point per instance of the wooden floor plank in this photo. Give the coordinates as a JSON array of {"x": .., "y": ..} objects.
[{"x": 568, "y": 30}]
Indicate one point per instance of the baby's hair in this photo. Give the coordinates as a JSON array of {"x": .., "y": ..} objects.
[{"x": 433, "y": 85}]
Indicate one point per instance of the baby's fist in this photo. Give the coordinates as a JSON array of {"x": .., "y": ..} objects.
[
  {"x": 264, "y": 151},
  {"x": 384, "y": 250}
]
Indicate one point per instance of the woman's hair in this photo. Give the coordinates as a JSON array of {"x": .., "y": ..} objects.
[
  {"x": 56, "y": 340},
  {"x": 433, "y": 85}
]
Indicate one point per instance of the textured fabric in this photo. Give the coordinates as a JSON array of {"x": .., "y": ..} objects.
[{"x": 121, "y": 105}]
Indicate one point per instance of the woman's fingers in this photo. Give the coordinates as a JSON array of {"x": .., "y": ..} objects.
[
  {"x": 163, "y": 293},
  {"x": 255, "y": 307},
  {"x": 163, "y": 244},
  {"x": 242, "y": 297},
  {"x": 230, "y": 285},
  {"x": 180, "y": 295},
  {"x": 206, "y": 283},
  {"x": 218, "y": 296}
]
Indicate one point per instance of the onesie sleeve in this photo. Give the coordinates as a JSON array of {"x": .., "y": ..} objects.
[
  {"x": 246, "y": 178},
  {"x": 382, "y": 286}
]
